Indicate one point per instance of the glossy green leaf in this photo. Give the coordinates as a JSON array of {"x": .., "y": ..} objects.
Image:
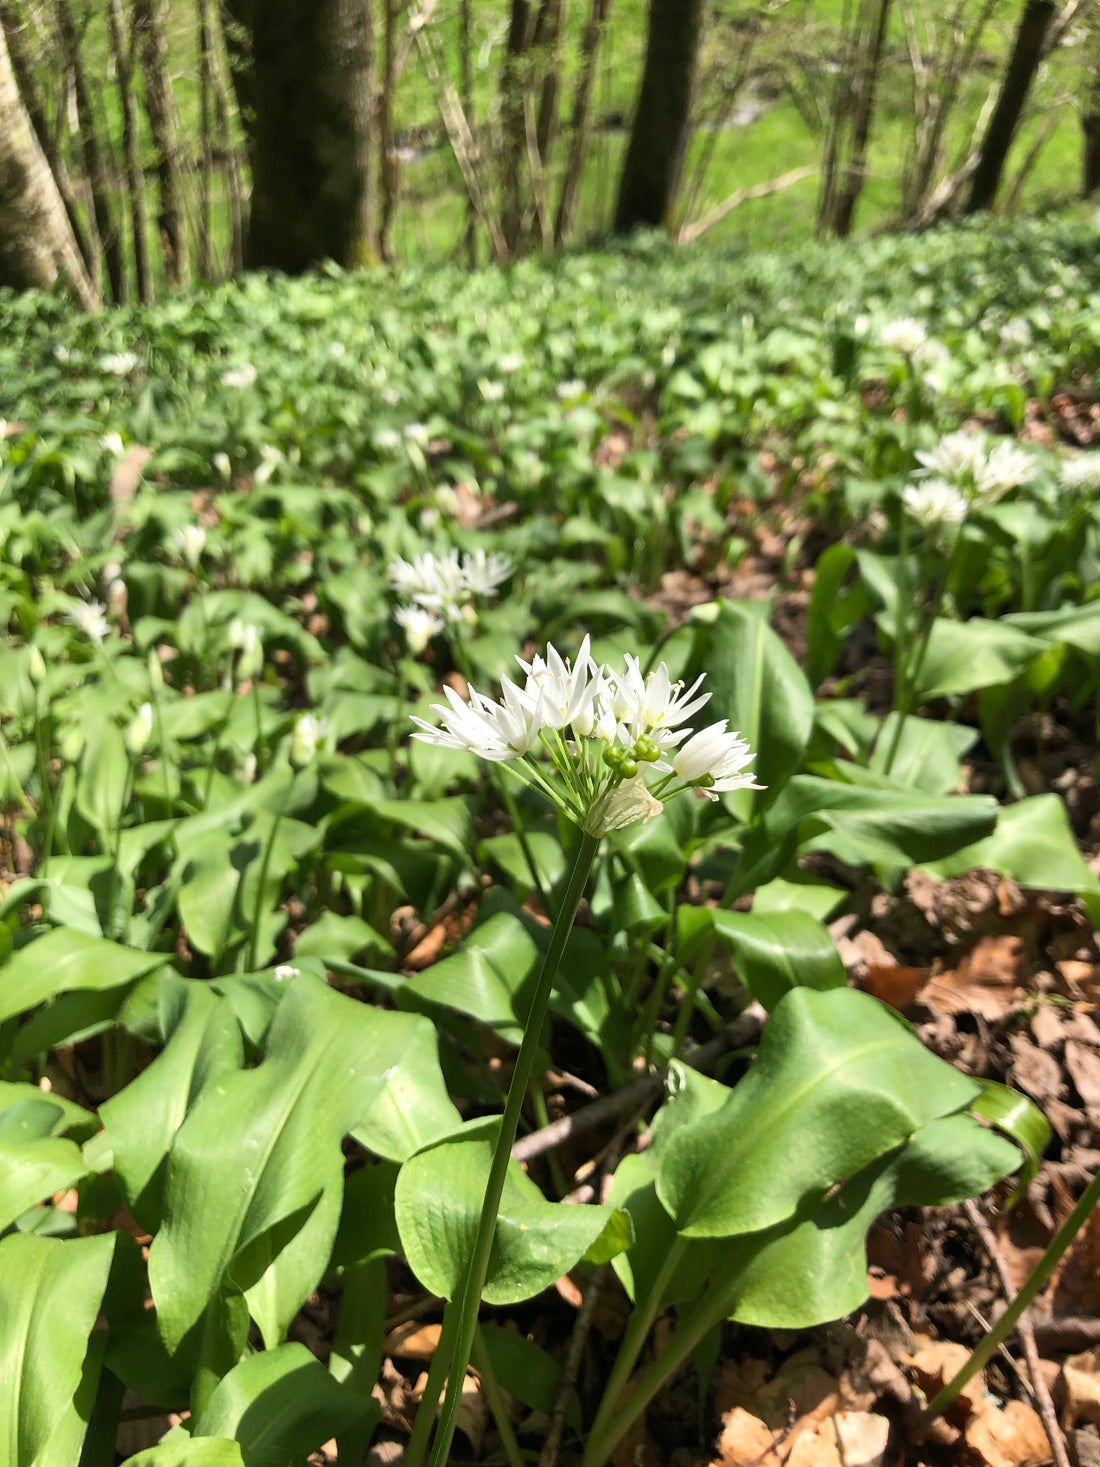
[
  {"x": 259, "y": 1146},
  {"x": 838, "y": 1081},
  {"x": 832, "y": 610},
  {"x": 1018, "y": 1118},
  {"x": 203, "y": 1451},
  {"x": 104, "y": 777},
  {"x": 34, "y": 1164},
  {"x": 487, "y": 977},
  {"x": 50, "y": 1297},
  {"x": 64, "y": 960},
  {"x": 929, "y": 753},
  {"x": 773, "y": 952},
  {"x": 963, "y": 657},
  {"x": 280, "y": 1405},
  {"x": 438, "y": 1202}
]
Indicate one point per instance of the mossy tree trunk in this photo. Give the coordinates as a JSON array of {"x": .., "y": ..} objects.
[
  {"x": 37, "y": 245},
  {"x": 662, "y": 123},
  {"x": 1027, "y": 53},
  {"x": 310, "y": 100},
  {"x": 160, "y": 103}
]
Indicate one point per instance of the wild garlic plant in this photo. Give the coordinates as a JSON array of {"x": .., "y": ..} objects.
[{"x": 607, "y": 747}]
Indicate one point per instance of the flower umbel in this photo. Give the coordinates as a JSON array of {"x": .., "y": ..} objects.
[{"x": 584, "y": 734}]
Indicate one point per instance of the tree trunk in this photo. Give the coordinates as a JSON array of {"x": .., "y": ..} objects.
[
  {"x": 662, "y": 122},
  {"x": 310, "y": 143},
  {"x": 1027, "y": 52},
  {"x": 582, "y": 119},
  {"x": 206, "y": 140},
  {"x": 37, "y": 245},
  {"x": 466, "y": 46},
  {"x": 1090, "y": 115},
  {"x": 513, "y": 151},
  {"x": 855, "y": 171},
  {"x": 102, "y": 213},
  {"x": 164, "y": 125},
  {"x": 123, "y": 51},
  {"x": 389, "y": 176}
]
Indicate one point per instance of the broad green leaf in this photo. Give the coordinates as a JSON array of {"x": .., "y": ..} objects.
[
  {"x": 816, "y": 1270},
  {"x": 1032, "y": 844},
  {"x": 280, "y": 1405},
  {"x": 70, "y": 1117},
  {"x": 284, "y": 1261},
  {"x": 1021, "y": 1120},
  {"x": 818, "y": 898},
  {"x": 336, "y": 936},
  {"x": 929, "y": 753},
  {"x": 203, "y": 1451},
  {"x": 203, "y": 1042},
  {"x": 964, "y": 656},
  {"x": 525, "y": 1370},
  {"x": 50, "y": 1297},
  {"x": 446, "y": 822},
  {"x": 832, "y": 610},
  {"x": 487, "y": 978},
  {"x": 260, "y": 1145},
  {"x": 838, "y": 1081},
  {"x": 438, "y": 1203},
  {"x": 773, "y": 952},
  {"x": 412, "y": 1109},
  {"x": 63, "y": 960},
  {"x": 34, "y": 1164},
  {"x": 104, "y": 778},
  {"x": 758, "y": 686}
]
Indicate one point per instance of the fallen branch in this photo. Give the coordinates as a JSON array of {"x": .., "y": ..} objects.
[{"x": 691, "y": 232}]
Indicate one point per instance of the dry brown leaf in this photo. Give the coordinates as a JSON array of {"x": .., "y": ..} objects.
[
  {"x": 985, "y": 981},
  {"x": 1077, "y": 1279},
  {"x": 816, "y": 1447},
  {"x": 937, "y": 1362},
  {"x": 1081, "y": 1376},
  {"x": 413, "y": 1341},
  {"x": 745, "y": 1441},
  {"x": 896, "y": 985},
  {"x": 1035, "y": 1071},
  {"x": 1012, "y": 1437},
  {"x": 861, "y": 1437},
  {"x": 1083, "y": 1064},
  {"x": 127, "y": 474}
]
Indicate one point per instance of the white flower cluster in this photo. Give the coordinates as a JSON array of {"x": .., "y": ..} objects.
[
  {"x": 979, "y": 472},
  {"x": 935, "y": 502},
  {"x": 442, "y": 588},
  {"x": 89, "y": 617},
  {"x": 906, "y": 335},
  {"x": 601, "y": 729},
  {"x": 1082, "y": 472}
]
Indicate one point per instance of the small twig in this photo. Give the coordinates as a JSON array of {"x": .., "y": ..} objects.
[
  {"x": 416, "y": 1310},
  {"x": 1026, "y": 1335},
  {"x": 609, "y": 1107},
  {"x": 567, "y": 1382}
]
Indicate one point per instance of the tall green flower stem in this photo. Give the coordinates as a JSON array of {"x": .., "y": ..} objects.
[
  {"x": 464, "y": 1307},
  {"x": 1034, "y": 1282},
  {"x": 909, "y": 677},
  {"x": 116, "y": 855},
  {"x": 258, "y": 908}
]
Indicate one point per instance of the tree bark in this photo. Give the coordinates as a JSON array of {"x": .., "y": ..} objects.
[
  {"x": 164, "y": 125},
  {"x": 1027, "y": 52},
  {"x": 102, "y": 213},
  {"x": 310, "y": 147},
  {"x": 513, "y": 151},
  {"x": 37, "y": 245},
  {"x": 855, "y": 171},
  {"x": 123, "y": 51},
  {"x": 582, "y": 119},
  {"x": 662, "y": 122},
  {"x": 1090, "y": 115},
  {"x": 389, "y": 176}
]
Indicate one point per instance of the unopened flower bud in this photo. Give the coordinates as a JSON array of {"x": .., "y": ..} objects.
[
  {"x": 622, "y": 805},
  {"x": 155, "y": 670},
  {"x": 139, "y": 730},
  {"x": 308, "y": 733},
  {"x": 36, "y": 666}
]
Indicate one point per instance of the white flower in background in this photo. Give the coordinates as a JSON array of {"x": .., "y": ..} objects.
[
  {"x": 139, "y": 730},
  {"x": 572, "y": 390},
  {"x": 62, "y": 354},
  {"x": 155, "y": 669},
  {"x": 390, "y": 396},
  {"x": 223, "y": 465},
  {"x": 247, "y": 772},
  {"x": 906, "y": 335},
  {"x": 668, "y": 354},
  {"x": 284, "y": 973},
  {"x": 387, "y": 439},
  {"x": 419, "y": 624},
  {"x": 238, "y": 377},
  {"x": 112, "y": 443},
  {"x": 1015, "y": 334},
  {"x": 245, "y": 637},
  {"x": 116, "y": 597},
  {"x": 429, "y": 518},
  {"x": 309, "y": 732},
  {"x": 444, "y": 583},
  {"x": 959, "y": 455},
  {"x": 337, "y": 350},
  {"x": 1082, "y": 472},
  {"x": 447, "y": 501},
  {"x": 491, "y": 391},
  {"x": 119, "y": 363},
  {"x": 934, "y": 502},
  {"x": 510, "y": 362},
  {"x": 270, "y": 460},
  {"x": 189, "y": 541},
  {"x": 483, "y": 573},
  {"x": 600, "y": 727},
  {"x": 416, "y": 433},
  {"x": 88, "y": 617},
  {"x": 1007, "y": 466}
]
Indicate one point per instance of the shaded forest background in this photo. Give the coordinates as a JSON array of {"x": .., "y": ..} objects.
[{"x": 148, "y": 143}]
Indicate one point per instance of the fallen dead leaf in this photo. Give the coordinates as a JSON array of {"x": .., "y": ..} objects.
[
  {"x": 895, "y": 985},
  {"x": 745, "y": 1441},
  {"x": 127, "y": 474},
  {"x": 1077, "y": 1279},
  {"x": 1081, "y": 1377},
  {"x": 861, "y": 1437},
  {"x": 1035, "y": 1070},
  {"x": 413, "y": 1341},
  {"x": 986, "y": 980},
  {"x": 1009, "y": 1437},
  {"x": 1083, "y": 1064},
  {"x": 937, "y": 1362}
]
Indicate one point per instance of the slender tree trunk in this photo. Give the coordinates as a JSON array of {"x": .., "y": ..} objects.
[
  {"x": 1027, "y": 52},
  {"x": 388, "y": 169},
  {"x": 547, "y": 46},
  {"x": 226, "y": 143},
  {"x": 206, "y": 138},
  {"x": 513, "y": 151},
  {"x": 311, "y": 134},
  {"x": 466, "y": 47},
  {"x": 1090, "y": 114},
  {"x": 662, "y": 122},
  {"x": 582, "y": 119},
  {"x": 106, "y": 227},
  {"x": 123, "y": 52},
  {"x": 37, "y": 244},
  {"x": 164, "y": 125},
  {"x": 856, "y": 169}
]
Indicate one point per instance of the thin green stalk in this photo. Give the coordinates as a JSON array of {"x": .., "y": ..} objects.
[
  {"x": 637, "y": 1331},
  {"x": 1032, "y": 1285},
  {"x": 116, "y": 859},
  {"x": 162, "y": 747},
  {"x": 484, "y": 1367},
  {"x": 257, "y": 910},
  {"x": 417, "y": 1444},
  {"x": 212, "y": 766},
  {"x": 467, "y": 1301}
]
